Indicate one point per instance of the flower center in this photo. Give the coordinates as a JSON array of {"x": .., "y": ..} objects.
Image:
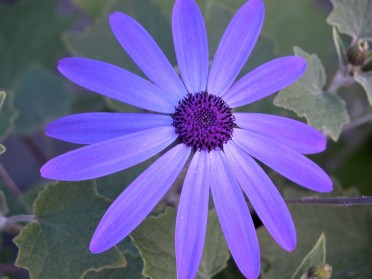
[{"x": 203, "y": 121}]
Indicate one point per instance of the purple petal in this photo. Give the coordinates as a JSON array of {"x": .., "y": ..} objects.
[
  {"x": 284, "y": 160},
  {"x": 264, "y": 196},
  {"x": 235, "y": 46},
  {"x": 191, "y": 44},
  {"x": 294, "y": 134},
  {"x": 87, "y": 128},
  {"x": 192, "y": 216},
  {"x": 145, "y": 52},
  {"x": 116, "y": 83},
  {"x": 137, "y": 201},
  {"x": 234, "y": 216},
  {"x": 108, "y": 156},
  {"x": 265, "y": 80}
]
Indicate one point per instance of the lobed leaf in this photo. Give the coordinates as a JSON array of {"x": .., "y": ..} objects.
[
  {"x": 57, "y": 245},
  {"x": 352, "y": 17},
  {"x": 365, "y": 80},
  {"x": 322, "y": 110},
  {"x": 8, "y": 114}
]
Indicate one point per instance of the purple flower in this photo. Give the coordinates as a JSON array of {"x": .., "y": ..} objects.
[{"x": 195, "y": 114}]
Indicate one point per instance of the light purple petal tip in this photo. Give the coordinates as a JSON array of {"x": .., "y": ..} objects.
[
  {"x": 294, "y": 134},
  {"x": 192, "y": 216},
  {"x": 88, "y": 128},
  {"x": 191, "y": 44},
  {"x": 108, "y": 156},
  {"x": 235, "y": 46},
  {"x": 146, "y": 53},
  {"x": 265, "y": 80},
  {"x": 284, "y": 160},
  {"x": 264, "y": 197},
  {"x": 137, "y": 201},
  {"x": 234, "y": 216},
  {"x": 116, "y": 83}
]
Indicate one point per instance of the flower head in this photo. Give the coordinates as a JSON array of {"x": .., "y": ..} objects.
[{"x": 197, "y": 115}]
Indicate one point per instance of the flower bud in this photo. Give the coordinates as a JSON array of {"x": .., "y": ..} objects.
[
  {"x": 319, "y": 271},
  {"x": 358, "y": 53}
]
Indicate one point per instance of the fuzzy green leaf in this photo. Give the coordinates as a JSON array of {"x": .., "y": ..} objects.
[
  {"x": 322, "y": 110},
  {"x": 365, "y": 80},
  {"x": 3, "y": 204},
  {"x": 133, "y": 270},
  {"x": 154, "y": 238},
  {"x": 40, "y": 97},
  {"x": 57, "y": 246},
  {"x": 7, "y": 115},
  {"x": 317, "y": 255},
  {"x": 348, "y": 231},
  {"x": 352, "y": 17}
]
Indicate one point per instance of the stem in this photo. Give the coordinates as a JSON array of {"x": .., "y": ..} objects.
[
  {"x": 21, "y": 218},
  {"x": 336, "y": 201},
  {"x": 358, "y": 122},
  {"x": 9, "y": 182},
  {"x": 36, "y": 151},
  {"x": 341, "y": 78}
]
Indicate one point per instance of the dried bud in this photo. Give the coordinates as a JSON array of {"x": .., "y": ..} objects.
[
  {"x": 358, "y": 53},
  {"x": 319, "y": 271}
]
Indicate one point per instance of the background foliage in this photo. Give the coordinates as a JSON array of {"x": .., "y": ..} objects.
[{"x": 52, "y": 223}]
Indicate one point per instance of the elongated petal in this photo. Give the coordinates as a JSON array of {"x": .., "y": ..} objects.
[
  {"x": 108, "y": 156},
  {"x": 116, "y": 83},
  {"x": 284, "y": 160},
  {"x": 235, "y": 46},
  {"x": 265, "y": 80},
  {"x": 145, "y": 52},
  {"x": 294, "y": 134},
  {"x": 192, "y": 216},
  {"x": 191, "y": 44},
  {"x": 137, "y": 201},
  {"x": 87, "y": 128},
  {"x": 264, "y": 196},
  {"x": 234, "y": 216}
]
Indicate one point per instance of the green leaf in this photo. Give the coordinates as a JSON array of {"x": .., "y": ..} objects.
[
  {"x": 2, "y": 149},
  {"x": 92, "y": 7},
  {"x": 29, "y": 31},
  {"x": 323, "y": 110},
  {"x": 40, "y": 97},
  {"x": 317, "y": 255},
  {"x": 154, "y": 238},
  {"x": 348, "y": 231},
  {"x": 7, "y": 115},
  {"x": 352, "y": 17},
  {"x": 133, "y": 270},
  {"x": 57, "y": 246},
  {"x": 365, "y": 80},
  {"x": 3, "y": 205},
  {"x": 2, "y": 98}
]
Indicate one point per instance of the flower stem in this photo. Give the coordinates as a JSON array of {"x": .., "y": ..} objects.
[
  {"x": 21, "y": 218},
  {"x": 358, "y": 122},
  {"x": 9, "y": 181},
  {"x": 334, "y": 201}
]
